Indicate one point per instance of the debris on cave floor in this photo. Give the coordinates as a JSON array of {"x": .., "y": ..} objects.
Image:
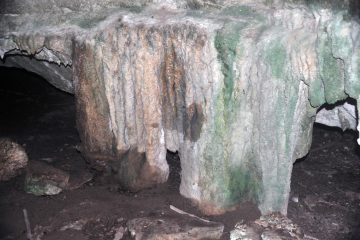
[
  {"x": 270, "y": 227},
  {"x": 165, "y": 227},
  {"x": 44, "y": 179},
  {"x": 159, "y": 224}
]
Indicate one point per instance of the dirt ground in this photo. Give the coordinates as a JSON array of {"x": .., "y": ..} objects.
[
  {"x": 326, "y": 184},
  {"x": 325, "y": 195}
]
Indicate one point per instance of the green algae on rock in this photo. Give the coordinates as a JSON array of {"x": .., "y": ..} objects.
[{"x": 43, "y": 179}]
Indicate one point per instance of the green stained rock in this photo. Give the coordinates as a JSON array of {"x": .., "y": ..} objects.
[
  {"x": 244, "y": 184},
  {"x": 226, "y": 41},
  {"x": 236, "y": 11},
  {"x": 317, "y": 92},
  {"x": 242, "y": 11},
  {"x": 40, "y": 188},
  {"x": 275, "y": 56},
  {"x": 331, "y": 71},
  {"x": 43, "y": 179}
]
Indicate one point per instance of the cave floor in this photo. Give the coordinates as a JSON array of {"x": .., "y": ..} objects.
[
  {"x": 324, "y": 201},
  {"x": 325, "y": 188}
]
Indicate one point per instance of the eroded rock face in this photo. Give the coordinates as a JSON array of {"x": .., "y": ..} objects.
[{"x": 233, "y": 86}]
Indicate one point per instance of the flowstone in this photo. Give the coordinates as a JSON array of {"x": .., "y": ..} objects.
[{"x": 233, "y": 86}]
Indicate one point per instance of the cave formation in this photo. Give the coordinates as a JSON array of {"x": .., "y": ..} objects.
[{"x": 234, "y": 88}]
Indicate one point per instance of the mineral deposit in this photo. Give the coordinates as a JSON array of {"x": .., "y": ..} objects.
[{"x": 233, "y": 86}]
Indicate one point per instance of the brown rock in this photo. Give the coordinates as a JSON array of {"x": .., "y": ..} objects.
[
  {"x": 13, "y": 158},
  {"x": 43, "y": 179}
]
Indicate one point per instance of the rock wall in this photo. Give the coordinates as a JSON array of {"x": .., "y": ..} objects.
[
  {"x": 57, "y": 75},
  {"x": 234, "y": 88}
]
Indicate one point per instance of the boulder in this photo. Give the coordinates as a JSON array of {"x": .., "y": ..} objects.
[
  {"x": 44, "y": 179},
  {"x": 13, "y": 159}
]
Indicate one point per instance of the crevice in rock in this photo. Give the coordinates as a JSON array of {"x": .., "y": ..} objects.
[
  {"x": 355, "y": 9},
  {"x": 174, "y": 179}
]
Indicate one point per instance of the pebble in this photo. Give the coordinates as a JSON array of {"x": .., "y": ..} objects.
[{"x": 270, "y": 235}]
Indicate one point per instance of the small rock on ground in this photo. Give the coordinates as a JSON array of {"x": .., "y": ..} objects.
[
  {"x": 166, "y": 228},
  {"x": 44, "y": 179}
]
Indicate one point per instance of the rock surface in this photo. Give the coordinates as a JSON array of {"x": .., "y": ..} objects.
[
  {"x": 343, "y": 116},
  {"x": 269, "y": 227},
  {"x": 233, "y": 86},
  {"x": 43, "y": 179},
  {"x": 57, "y": 75},
  {"x": 148, "y": 228},
  {"x": 13, "y": 159}
]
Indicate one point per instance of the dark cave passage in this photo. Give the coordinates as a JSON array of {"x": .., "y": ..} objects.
[
  {"x": 174, "y": 163},
  {"x": 41, "y": 118},
  {"x": 36, "y": 114}
]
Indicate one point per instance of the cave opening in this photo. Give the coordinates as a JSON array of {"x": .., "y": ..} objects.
[
  {"x": 40, "y": 120},
  {"x": 325, "y": 185},
  {"x": 174, "y": 179},
  {"x": 36, "y": 115}
]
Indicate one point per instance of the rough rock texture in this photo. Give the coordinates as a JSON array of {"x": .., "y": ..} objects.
[
  {"x": 166, "y": 228},
  {"x": 13, "y": 159},
  {"x": 270, "y": 227},
  {"x": 58, "y": 75},
  {"x": 343, "y": 116},
  {"x": 43, "y": 179},
  {"x": 234, "y": 86}
]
